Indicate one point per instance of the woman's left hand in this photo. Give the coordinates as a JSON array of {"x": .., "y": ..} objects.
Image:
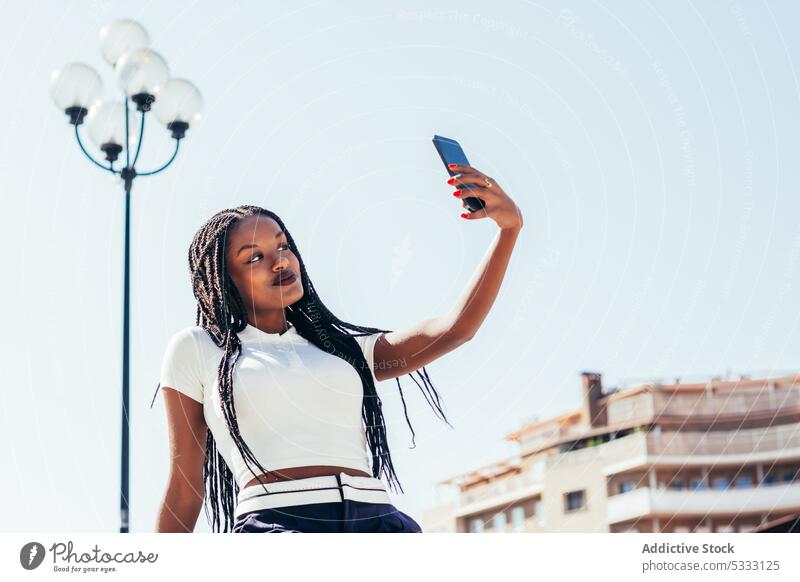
[{"x": 499, "y": 205}]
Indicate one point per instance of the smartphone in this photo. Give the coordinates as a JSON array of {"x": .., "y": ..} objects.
[{"x": 451, "y": 153}]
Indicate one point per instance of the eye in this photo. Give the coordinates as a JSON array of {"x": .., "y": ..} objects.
[{"x": 284, "y": 246}]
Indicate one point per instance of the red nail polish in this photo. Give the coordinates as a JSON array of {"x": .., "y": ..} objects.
[
  {"x": 451, "y": 166},
  {"x": 464, "y": 215},
  {"x": 451, "y": 181},
  {"x": 457, "y": 192}
]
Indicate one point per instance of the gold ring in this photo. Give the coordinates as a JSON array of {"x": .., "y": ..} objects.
[{"x": 488, "y": 182}]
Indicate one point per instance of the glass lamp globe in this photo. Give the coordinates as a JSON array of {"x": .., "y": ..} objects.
[
  {"x": 120, "y": 37},
  {"x": 178, "y": 105},
  {"x": 141, "y": 71},
  {"x": 106, "y": 124},
  {"x": 75, "y": 87}
]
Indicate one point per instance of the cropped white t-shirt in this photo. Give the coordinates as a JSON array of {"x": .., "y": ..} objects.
[{"x": 296, "y": 404}]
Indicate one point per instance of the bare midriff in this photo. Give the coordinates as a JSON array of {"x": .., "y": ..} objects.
[{"x": 304, "y": 472}]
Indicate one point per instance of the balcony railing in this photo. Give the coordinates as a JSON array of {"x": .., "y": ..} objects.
[
  {"x": 645, "y": 406},
  {"x": 540, "y": 438},
  {"x": 644, "y": 501},
  {"x": 500, "y": 487},
  {"x": 774, "y": 439},
  {"x": 629, "y": 409},
  {"x": 642, "y": 448},
  {"x": 728, "y": 403},
  {"x": 612, "y": 451},
  {"x": 648, "y": 406}
]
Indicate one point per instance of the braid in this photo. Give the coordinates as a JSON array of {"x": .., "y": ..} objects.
[{"x": 222, "y": 314}]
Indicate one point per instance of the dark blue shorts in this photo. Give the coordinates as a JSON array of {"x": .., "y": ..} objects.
[{"x": 336, "y": 517}]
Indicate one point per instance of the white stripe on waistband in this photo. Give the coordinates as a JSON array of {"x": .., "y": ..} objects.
[{"x": 324, "y": 489}]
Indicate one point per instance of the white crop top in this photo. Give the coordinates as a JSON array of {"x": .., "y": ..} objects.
[{"x": 296, "y": 404}]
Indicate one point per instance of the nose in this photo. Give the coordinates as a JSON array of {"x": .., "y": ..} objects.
[{"x": 282, "y": 261}]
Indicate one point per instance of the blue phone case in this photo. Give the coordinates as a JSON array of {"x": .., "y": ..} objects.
[{"x": 451, "y": 153}]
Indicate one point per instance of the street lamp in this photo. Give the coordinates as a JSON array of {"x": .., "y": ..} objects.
[{"x": 144, "y": 78}]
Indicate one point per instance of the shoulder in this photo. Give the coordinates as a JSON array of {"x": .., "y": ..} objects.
[
  {"x": 192, "y": 331},
  {"x": 367, "y": 343},
  {"x": 367, "y": 339},
  {"x": 193, "y": 336}
]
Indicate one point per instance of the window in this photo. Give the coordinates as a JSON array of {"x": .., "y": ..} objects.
[
  {"x": 575, "y": 500},
  {"x": 721, "y": 483},
  {"x": 518, "y": 519},
  {"x": 788, "y": 477},
  {"x": 626, "y": 486},
  {"x": 768, "y": 480},
  {"x": 697, "y": 484},
  {"x": 677, "y": 484},
  {"x": 476, "y": 525},
  {"x": 744, "y": 481},
  {"x": 499, "y": 521},
  {"x": 538, "y": 512},
  {"x": 536, "y": 472}
]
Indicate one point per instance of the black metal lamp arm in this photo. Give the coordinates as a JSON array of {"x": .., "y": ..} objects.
[
  {"x": 95, "y": 162},
  {"x": 175, "y": 153}
]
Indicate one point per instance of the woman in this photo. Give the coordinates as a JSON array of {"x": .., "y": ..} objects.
[{"x": 304, "y": 387}]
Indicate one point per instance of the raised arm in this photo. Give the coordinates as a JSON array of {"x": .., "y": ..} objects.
[{"x": 403, "y": 351}]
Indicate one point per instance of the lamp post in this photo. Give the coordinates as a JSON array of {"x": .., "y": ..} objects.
[{"x": 144, "y": 78}]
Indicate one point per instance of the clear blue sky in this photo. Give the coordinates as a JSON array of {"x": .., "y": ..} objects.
[{"x": 652, "y": 148}]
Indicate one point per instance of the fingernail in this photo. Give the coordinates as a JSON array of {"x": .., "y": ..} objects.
[
  {"x": 457, "y": 192},
  {"x": 451, "y": 166},
  {"x": 451, "y": 181},
  {"x": 464, "y": 215}
]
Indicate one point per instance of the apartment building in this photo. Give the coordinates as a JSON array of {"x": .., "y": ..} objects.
[{"x": 714, "y": 456}]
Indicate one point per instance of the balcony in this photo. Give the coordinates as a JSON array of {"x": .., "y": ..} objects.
[
  {"x": 644, "y": 502},
  {"x": 633, "y": 446},
  {"x": 649, "y": 405},
  {"x": 781, "y": 442},
  {"x": 731, "y": 403},
  {"x": 699, "y": 406},
  {"x": 542, "y": 437},
  {"x": 631, "y": 409},
  {"x": 640, "y": 450},
  {"x": 711, "y": 448},
  {"x": 501, "y": 493}
]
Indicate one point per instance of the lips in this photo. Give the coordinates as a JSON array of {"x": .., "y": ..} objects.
[{"x": 285, "y": 277}]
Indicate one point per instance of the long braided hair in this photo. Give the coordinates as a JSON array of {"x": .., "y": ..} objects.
[{"x": 222, "y": 314}]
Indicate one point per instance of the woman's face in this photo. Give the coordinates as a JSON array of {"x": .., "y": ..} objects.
[{"x": 257, "y": 253}]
